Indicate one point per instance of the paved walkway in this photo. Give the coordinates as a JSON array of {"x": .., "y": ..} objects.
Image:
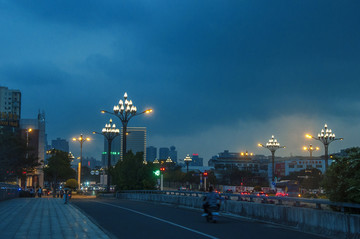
[{"x": 44, "y": 218}]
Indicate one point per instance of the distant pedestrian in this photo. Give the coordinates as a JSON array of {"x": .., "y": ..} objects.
[
  {"x": 61, "y": 193},
  {"x": 39, "y": 192}
]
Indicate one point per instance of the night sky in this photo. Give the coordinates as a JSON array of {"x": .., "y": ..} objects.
[{"x": 218, "y": 74}]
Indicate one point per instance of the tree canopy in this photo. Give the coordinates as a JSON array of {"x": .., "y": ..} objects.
[
  {"x": 132, "y": 174},
  {"x": 342, "y": 179},
  {"x": 59, "y": 167},
  {"x": 15, "y": 156}
]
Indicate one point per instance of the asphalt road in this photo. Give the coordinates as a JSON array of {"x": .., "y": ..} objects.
[{"x": 133, "y": 219}]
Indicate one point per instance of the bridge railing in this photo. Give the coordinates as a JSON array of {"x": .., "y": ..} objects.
[
  {"x": 278, "y": 200},
  {"x": 8, "y": 191}
]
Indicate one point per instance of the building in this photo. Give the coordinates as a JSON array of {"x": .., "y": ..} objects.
[
  {"x": 135, "y": 140},
  {"x": 151, "y": 153},
  {"x": 163, "y": 153},
  {"x": 285, "y": 166},
  {"x": 91, "y": 162},
  {"x": 228, "y": 160},
  {"x": 37, "y": 142},
  {"x": 173, "y": 154},
  {"x": 60, "y": 144},
  {"x": 115, "y": 151},
  {"x": 196, "y": 160},
  {"x": 10, "y": 107}
]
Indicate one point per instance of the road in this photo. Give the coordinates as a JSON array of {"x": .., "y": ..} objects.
[{"x": 134, "y": 219}]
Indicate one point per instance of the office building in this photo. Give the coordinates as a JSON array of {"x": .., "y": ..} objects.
[
  {"x": 196, "y": 160},
  {"x": 10, "y": 107},
  {"x": 135, "y": 141},
  {"x": 115, "y": 151},
  {"x": 151, "y": 153},
  {"x": 37, "y": 142},
  {"x": 173, "y": 154},
  {"x": 163, "y": 153},
  {"x": 60, "y": 144}
]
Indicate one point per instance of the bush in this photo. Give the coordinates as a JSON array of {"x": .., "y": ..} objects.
[{"x": 71, "y": 183}]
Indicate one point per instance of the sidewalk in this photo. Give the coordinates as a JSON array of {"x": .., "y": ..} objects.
[{"x": 44, "y": 218}]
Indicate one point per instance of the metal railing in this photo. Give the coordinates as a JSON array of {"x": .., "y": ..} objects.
[
  {"x": 277, "y": 200},
  {"x": 8, "y": 191}
]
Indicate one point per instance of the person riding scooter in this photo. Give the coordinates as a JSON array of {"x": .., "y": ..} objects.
[{"x": 211, "y": 201}]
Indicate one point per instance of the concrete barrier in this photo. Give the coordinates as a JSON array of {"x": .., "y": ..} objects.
[{"x": 329, "y": 223}]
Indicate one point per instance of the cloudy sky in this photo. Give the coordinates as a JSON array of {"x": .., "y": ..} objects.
[{"x": 218, "y": 74}]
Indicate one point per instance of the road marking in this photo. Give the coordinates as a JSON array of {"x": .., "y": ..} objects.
[{"x": 162, "y": 220}]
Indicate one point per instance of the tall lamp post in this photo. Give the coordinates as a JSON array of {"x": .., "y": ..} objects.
[
  {"x": 125, "y": 110},
  {"x": 326, "y": 136},
  {"x": 110, "y": 132},
  {"x": 81, "y": 140},
  {"x": 272, "y": 145},
  {"x": 29, "y": 130},
  {"x": 311, "y": 149},
  {"x": 187, "y": 160}
]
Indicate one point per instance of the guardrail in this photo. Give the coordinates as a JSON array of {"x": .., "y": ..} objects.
[
  {"x": 294, "y": 201},
  {"x": 8, "y": 191}
]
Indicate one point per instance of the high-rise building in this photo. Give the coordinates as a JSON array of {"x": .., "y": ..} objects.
[
  {"x": 173, "y": 154},
  {"x": 37, "y": 142},
  {"x": 115, "y": 151},
  {"x": 151, "y": 153},
  {"x": 135, "y": 140},
  {"x": 163, "y": 153},
  {"x": 60, "y": 144},
  {"x": 10, "y": 107},
  {"x": 196, "y": 160}
]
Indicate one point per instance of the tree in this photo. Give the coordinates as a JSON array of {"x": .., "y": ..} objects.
[
  {"x": 132, "y": 174},
  {"x": 58, "y": 168},
  {"x": 342, "y": 179},
  {"x": 307, "y": 178},
  {"x": 71, "y": 183},
  {"x": 15, "y": 157}
]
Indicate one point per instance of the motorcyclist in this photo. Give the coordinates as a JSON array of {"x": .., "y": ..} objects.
[{"x": 211, "y": 200}]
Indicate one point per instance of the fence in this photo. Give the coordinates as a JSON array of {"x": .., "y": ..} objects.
[{"x": 8, "y": 191}]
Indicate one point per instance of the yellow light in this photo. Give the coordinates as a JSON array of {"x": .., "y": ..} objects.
[
  {"x": 74, "y": 139},
  {"x": 87, "y": 139},
  {"x": 308, "y": 136},
  {"x": 260, "y": 145},
  {"x": 242, "y": 154},
  {"x": 305, "y": 148},
  {"x": 30, "y": 129},
  {"x": 102, "y": 112},
  {"x": 148, "y": 111}
]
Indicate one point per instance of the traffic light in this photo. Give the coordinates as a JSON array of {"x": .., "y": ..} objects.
[
  {"x": 205, "y": 174},
  {"x": 162, "y": 169},
  {"x": 157, "y": 172}
]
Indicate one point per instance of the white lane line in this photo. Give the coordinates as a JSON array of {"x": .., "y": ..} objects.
[{"x": 162, "y": 220}]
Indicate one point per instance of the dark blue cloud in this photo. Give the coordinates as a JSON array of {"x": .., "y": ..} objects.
[{"x": 200, "y": 64}]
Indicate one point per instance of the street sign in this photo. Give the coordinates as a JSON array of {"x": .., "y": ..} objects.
[{"x": 92, "y": 172}]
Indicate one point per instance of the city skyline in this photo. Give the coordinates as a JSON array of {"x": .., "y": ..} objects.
[{"x": 219, "y": 76}]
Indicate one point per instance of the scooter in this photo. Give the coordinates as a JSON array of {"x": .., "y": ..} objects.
[{"x": 212, "y": 215}]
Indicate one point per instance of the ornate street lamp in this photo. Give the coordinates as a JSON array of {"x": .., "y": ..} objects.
[
  {"x": 311, "y": 149},
  {"x": 125, "y": 110},
  {"x": 110, "y": 132},
  {"x": 326, "y": 137},
  {"x": 187, "y": 160},
  {"x": 272, "y": 145},
  {"x": 81, "y": 140}
]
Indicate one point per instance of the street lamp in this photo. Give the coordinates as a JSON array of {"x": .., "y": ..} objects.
[
  {"x": 125, "y": 110},
  {"x": 187, "y": 160},
  {"x": 29, "y": 130},
  {"x": 110, "y": 132},
  {"x": 272, "y": 145},
  {"x": 326, "y": 137},
  {"x": 81, "y": 140},
  {"x": 311, "y": 149}
]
